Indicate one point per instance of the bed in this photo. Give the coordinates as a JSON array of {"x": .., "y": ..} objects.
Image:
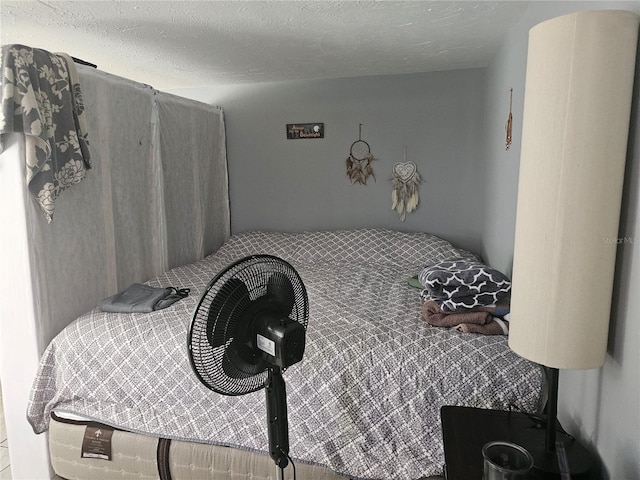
[{"x": 364, "y": 403}]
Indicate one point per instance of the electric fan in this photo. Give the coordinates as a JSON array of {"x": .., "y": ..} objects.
[{"x": 247, "y": 328}]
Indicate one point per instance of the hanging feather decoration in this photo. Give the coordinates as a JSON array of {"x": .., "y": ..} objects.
[
  {"x": 359, "y": 171},
  {"x": 358, "y": 162},
  {"x": 509, "y": 125},
  {"x": 349, "y": 166},
  {"x": 405, "y": 194},
  {"x": 368, "y": 170}
]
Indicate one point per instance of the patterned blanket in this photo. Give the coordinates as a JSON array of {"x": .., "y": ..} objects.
[
  {"x": 41, "y": 98},
  {"x": 365, "y": 400},
  {"x": 463, "y": 284}
]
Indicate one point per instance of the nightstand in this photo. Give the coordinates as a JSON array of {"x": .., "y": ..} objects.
[{"x": 465, "y": 430}]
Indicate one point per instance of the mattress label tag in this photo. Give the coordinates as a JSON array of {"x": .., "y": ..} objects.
[{"x": 97, "y": 443}]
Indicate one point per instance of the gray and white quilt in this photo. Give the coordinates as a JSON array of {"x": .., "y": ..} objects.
[{"x": 364, "y": 401}]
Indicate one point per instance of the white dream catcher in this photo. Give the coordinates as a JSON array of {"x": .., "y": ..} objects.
[
  {"x": 405, "y": 194},
  {"x": 358, "y": 162}
]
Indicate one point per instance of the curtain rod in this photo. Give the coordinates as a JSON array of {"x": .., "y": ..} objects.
[{"x": 82, "y": 62}]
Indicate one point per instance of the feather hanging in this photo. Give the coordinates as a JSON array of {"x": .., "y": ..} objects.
[
  {"x": 405, "y": 194},
  {"x": 358, "y": 163},
  {"x": 394, "y": 195},
  {"x": 368, "y": 170},
  {"x": 359, "y": 171},
  {"x": 509, "y": 125}
]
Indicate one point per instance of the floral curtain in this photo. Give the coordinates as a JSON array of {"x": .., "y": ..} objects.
[{"x": 41, "y": 98}]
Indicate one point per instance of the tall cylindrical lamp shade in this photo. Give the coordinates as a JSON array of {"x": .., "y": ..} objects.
[{"x": 579, "y": 85}]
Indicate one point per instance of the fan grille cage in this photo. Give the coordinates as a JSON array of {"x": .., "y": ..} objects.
[{"x": 253, "y": 274}]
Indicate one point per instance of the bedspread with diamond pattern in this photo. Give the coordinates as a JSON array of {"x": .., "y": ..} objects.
[{"x": 365, "y": 400}]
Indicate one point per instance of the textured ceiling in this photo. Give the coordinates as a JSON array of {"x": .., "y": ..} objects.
[{"x": 172, "y": 44}]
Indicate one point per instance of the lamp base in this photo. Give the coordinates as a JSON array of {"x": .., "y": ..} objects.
[{"x": 545, "y": 464}]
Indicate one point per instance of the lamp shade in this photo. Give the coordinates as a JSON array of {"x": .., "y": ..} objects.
[{"x": 579, "y": 85}]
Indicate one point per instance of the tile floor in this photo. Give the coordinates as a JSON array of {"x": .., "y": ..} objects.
[{"x": 5, "y": 468}]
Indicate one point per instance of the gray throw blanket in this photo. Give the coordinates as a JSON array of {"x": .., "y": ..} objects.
[
  {"x": 141, "y": 298},
  {"x": 461, "y": 284},
  {"x": 41, "y": 98}
]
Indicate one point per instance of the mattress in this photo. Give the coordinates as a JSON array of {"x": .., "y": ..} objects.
[
  {"x": 135, "y": 456},
  {"x": 365, "y": 400}
]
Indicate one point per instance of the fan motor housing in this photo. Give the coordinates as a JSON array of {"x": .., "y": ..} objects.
[{"x": 281, "y": 340}]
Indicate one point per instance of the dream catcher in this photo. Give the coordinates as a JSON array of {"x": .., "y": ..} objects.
[
  {"x": 405, "y": 195},
  {"x": 509, "y": 125},
  {"x": 359, "y": 167}
]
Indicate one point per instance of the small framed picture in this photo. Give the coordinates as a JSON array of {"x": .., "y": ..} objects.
[{"x": 296, "y": 131}]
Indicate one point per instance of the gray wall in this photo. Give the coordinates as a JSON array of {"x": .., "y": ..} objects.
[
  {"x": 599, "y": 406},
  {"x": 292, "y": 185}
]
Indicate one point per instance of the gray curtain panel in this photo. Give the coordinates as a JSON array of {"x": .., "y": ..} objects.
[
  {"x": 194, "y": 168},
  {"x": 156, "y": 197}
]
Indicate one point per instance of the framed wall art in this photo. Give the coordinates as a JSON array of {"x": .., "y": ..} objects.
[{"x": 297, "y": 131}]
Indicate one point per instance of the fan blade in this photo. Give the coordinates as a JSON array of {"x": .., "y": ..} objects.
[
  {"x": 224, "y": 313},
  {"x": 280, "y": 292}
]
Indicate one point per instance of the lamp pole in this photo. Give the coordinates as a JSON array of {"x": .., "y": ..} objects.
[{"x": 552, "y": 411}]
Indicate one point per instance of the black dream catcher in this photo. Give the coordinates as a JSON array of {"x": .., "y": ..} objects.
[{"x": 359, "y": 167}]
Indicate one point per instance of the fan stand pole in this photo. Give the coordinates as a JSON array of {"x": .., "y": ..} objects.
[{"x": 277, "y": 417}]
